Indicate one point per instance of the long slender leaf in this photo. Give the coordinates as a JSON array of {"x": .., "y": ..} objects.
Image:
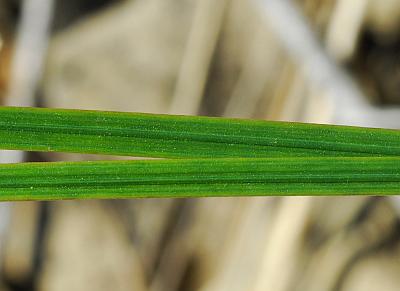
[
  {"x": 200, "y": 177},
  {"x": 137, "y": 134}
]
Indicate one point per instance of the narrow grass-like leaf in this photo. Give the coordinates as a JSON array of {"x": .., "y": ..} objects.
[
  {"x": 200, "y": 177},
  {"x": 137, "y": 134}
]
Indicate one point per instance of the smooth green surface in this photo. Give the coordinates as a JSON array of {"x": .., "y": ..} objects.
[
  {"x": 217, "y": 156},
  {"x": 135, "y": 134},
  {"x": 200, "y": 177}
]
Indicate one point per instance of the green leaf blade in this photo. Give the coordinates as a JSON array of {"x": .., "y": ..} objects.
[
  {"x": 200, "y": 178},
  {"x": 138, "y": 134}
]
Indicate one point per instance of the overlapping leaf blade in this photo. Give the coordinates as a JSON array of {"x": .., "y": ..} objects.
[{"x": 217, "y": 157}]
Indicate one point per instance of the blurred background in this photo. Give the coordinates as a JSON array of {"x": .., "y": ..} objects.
[{"x": 331, "y": 61}]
